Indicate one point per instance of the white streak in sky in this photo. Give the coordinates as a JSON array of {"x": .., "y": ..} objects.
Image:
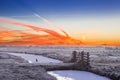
[{"x": 51, "y": 24}]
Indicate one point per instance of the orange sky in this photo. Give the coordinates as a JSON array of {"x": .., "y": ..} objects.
[
  {"x": 34, "y": 36},
  {"x": 19, "y": 37}
]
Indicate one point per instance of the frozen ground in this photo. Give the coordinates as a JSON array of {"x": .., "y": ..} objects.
[
  {"x": 10, "y": 69},
  {"x": 105, "y": 59},
  {"x": 40, "y": 59},
  {"x": 75, "y": 75},
  {"x": 98, "y": 54},
  {"x": 61, "y": 75}
]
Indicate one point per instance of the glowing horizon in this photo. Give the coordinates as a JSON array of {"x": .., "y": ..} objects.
[{"x": 10, "y": 37}]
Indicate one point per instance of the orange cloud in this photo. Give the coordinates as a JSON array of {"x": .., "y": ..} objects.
[
  {"x": 26, "y": 38},
  {"x": 54, "y": 33}
]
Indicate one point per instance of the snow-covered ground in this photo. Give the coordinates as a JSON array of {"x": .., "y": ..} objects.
[
  {"x": 75, "y": 75},
  {"x": 61, "y": 75},
  {"x": 40, "y": 59},
  {"x": 63, "y": 50}
]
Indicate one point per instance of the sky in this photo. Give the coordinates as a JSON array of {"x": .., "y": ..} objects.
[{"x": 91, "y": 21}]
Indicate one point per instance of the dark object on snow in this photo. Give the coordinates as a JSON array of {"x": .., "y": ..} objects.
[{"x": 36, "y": 60}]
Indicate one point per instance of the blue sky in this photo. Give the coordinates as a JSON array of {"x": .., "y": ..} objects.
[
  {"x": 84, "y": 19},
  {"x": 59, "y": 7}
]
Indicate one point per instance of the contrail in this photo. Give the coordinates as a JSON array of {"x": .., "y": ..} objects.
[
  {"x": 51, "y": 24},
  {"x": 54, "y": 33}
]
